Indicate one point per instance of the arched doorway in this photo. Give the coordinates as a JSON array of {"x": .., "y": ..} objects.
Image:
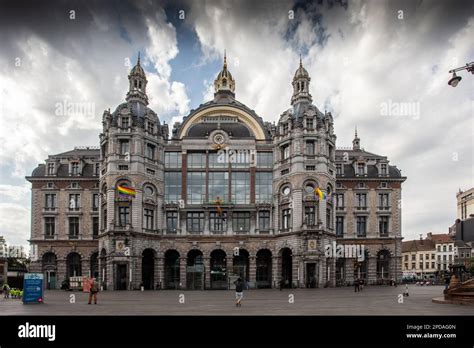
[
  {"x": 264, "y": 268},
  {"x": 50, "y": 267},
  {"x": 218, "y": 269},
  {"x": 340, "y": 272},
  {"x": 195, "y": 270},
  {"x": 95, "y": 265},
  {"x": 171, "y": 269},
  {"x": 148, "y": 269},
  {"x": 286, "y": 267},
  {"x": 73, "y": 265},
  {"x": 103, "y": 270},
  {"x": 383, "y": 266},
  {"x": 360, "y": 268},
  {"x": 241, "y": 265}
]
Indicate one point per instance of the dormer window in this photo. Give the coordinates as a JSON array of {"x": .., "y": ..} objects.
[
  {"x": 360, "y": 169},
  {"x": 285, "y": 128},
  {"x": 339, "y": 169},
  {"x": 125, "y": 122},
  {"x": 150, "y": 127},
  {"x": 309, "y": 123},
  {"x": 50, "y": 168},
  {"x": 383, "y": 169},
  {"x": 74, "y": 168},
  {"x": 97, "y": 169}
]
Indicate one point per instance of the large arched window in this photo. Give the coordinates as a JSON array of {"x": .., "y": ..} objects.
[{"x": 383, "y": 266}]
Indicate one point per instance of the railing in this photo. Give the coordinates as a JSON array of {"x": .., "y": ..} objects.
[
  {"x": 51, "y": 236},
  {"x": 361, "y": 208},
  {"x": 74, "y": 236},
  {"x": 49, "y": 209}
]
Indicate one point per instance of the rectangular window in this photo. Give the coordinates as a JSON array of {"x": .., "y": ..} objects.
[
  {"x": 217, "y": 222},
  {"x": 50, "y": 201},
  {"x": 263, "y": 187},
  {"x": 310, "y": 148},
  {"x": 150, "y": 127},
  {"x": 150, "y": 151},
  {"x": 311, "y": 168},
  {"x": 328, "y": 218},
  {"x": 339, "y": 226},
  {"x": 432, "y": 265},
  {"x": 172, "y": 187},
  {"x": 432, "y": 256},
  {"x": 339, "y": 201},
  {"x": 172, "y": 160},
  {"x": 73, "y": 227},
  {"x": 286, "y": 219},
  {"x": 95, "y": 201},
  {"x": 361, "y": 169},
  {"x": 196, "y": 187},
  {"x": 125, "y": 122},
  {"x": 361, "y": 226},
  {"x": 150, "y": 171},
  {"x": 124, "y": 147},
  {"x": 241, "y": 221},
  {"x": 74, "y": 201},
  {"x": 309, "y": 123},
  {"x": 339, "y": 169},
  {"x": 383, "y": 169},
  {"x": 413, "y": 257},
  {"x": 195, "y": 222},
  {"x": 285, "y": 128},
  {"x": 148, "y": 216},
  {"x": 310, "y": 215},
  {"x": 285, "y": 152},
  {"x": 284, "y": 172},
  {"x": 413, "y": 265},
  {"x": 49, "y": 227},
  {"x": 264, "y": 159},
  {"x": 241, "y": 187},
  {"x": 172, "y": 221},
  {"x": 406, "y": 257},
  {"x": 124, "y": 216},
  {"x": 122, "y": 167},
  {"x": 421, "y": 265},
  {"x": 218, "y": 187},
  {"x": 218, "y": 160},
  {"x": 95, "y": 227},
  {"x": 50, "y": 168},
  {"x": 383, "y": 226},
  {"x": 383, "y": 201},
  {"x": 196, "y": 160},
  {"x": 264, "y": 220},
  {"x": 74, "y": 168},
  {"x": 361, "y": 201}
]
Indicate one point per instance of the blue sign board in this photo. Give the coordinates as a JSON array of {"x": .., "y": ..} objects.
[{"x": 33, "y": 288}]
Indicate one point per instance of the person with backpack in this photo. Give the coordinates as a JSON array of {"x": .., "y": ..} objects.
[
  {"x": 94, "y": 289},
  {"x": 239, "y": 292}
]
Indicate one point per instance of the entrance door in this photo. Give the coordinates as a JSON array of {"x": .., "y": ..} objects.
[
  {"x": 52, "y": 280},
  {"x": 121, "y": 277},
  {"x": 311, "y": 275},
  {"x": 195, "y": 277}
]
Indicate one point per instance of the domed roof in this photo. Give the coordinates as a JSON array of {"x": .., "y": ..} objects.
[
  {"x": 301, "y": 71},
  {"x": 137, "y": 69}
]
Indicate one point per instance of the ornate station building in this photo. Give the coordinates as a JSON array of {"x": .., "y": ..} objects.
[{"x": 227, "y": 195}]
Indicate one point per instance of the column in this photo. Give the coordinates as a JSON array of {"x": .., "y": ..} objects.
[
  {"x": 276, "y": 273},
  {"x": 159, "y": 272},
  {"x": 253, "y": 270},
  {"x": 62, "y": 272},
  {"x": 86, "y": 267},
  {"x": 349, "y": 271},
  {"x": 207, "y": 272},
  {"x": 297, "y": 214},
  {"x": 182, "y": 272},
  {"x": 295, "y": 259},
  {"x": 372, "y": 270}
]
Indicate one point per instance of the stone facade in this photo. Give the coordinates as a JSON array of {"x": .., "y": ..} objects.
[{"x": 227, "y": 195}]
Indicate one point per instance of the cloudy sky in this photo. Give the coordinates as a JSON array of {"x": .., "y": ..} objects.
[{"x": 367, "y": 59}]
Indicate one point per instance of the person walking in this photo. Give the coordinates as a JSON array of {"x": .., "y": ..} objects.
[
  {"x": 446, "y": 281},
  {"x": 6, "y": 291},
  {"x": 356, "y": 285},
  {"x": 94, "y": 289},
  {"x": 239, "y": 292}
]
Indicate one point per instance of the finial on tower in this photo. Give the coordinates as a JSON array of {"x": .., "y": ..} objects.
[
  {"x": 138, "y": 60},
  {"x": 356, "y": 141}
]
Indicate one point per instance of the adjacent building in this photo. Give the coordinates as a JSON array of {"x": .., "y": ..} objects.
[
  {"x": 225, "y": 195},
  {"x": 465, "y": 204},
  {"x": 444, "y": 250},
  {"x": 419, "y": 258},
  {"x": 3, "y": 261}
]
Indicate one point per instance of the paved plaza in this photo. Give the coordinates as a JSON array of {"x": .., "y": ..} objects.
[{"x": 373, "y": 300}]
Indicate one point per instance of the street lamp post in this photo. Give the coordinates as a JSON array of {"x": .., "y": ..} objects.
[{"x": 455, "y": 79}]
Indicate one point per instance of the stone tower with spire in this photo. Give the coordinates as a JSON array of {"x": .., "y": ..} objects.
[{"x": 224, "y": 84}]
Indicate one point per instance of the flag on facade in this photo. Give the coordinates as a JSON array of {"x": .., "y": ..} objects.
[
  {"x": 126, "y": 191},
  {"x": 320, "y": 193}
]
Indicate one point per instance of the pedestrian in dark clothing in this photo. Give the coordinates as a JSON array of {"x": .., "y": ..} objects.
[
  {"x": 446, "y": 282},
  {"x": 361, "y": 284},
  {"x": 93, "y": 291},
  {"x": 356, "y": 285},
  {"x": 239, "y": 292}
]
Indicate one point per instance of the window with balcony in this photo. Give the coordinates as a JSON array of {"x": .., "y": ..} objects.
[
  {"x": 49, "y": 227},
  {"x": 148, "y": 219},
  {"x": 241, "y": 221},
  {"x": 195, "y": 222},
  {"x": 339, "y": 226},
  {"x": 361, "y": 226},
  {"x": 264, "y": 220},
  {"x": 50, "y": 201},
  {"x": 73, "y": 228},
  {"x": 172, "y": 221},
  {"x": 286, "y": 219},
  {"x": 217, "y": 221}
]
